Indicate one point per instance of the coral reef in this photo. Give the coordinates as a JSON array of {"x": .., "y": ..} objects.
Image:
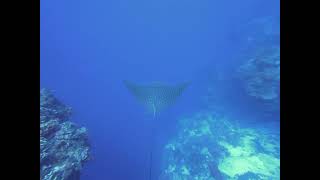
[
  {"x": 64, "y": 147},
  {"x": 260, "y": 71},
  {"x": 261, "y": 74},
  {"x": 209, "y": 147}
]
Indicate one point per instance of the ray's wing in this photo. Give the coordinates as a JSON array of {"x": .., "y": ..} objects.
[
  {"x": 167, "y": 95},
  {"x": 156, "y": 97},
  {"x": 144, "y": 94},
  {"x": 138, "y": 91}
]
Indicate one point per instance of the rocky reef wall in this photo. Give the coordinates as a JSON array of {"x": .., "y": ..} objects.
[{"x": 64, "y": 147}]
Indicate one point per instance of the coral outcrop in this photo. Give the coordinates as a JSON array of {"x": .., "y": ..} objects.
[
  {"x": 260, "y": 74},
  {"x": 64, "y": 147},
  {"x": 210, "y": 147}
]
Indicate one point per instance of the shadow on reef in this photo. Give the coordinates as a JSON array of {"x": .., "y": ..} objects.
[{"x": 64, "y": 147}]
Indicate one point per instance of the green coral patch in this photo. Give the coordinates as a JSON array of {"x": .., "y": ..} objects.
[
  {"x": 261, "y": 164},
  {"x": 243, "y": 159},
  {"x": 209, "y": 147}
]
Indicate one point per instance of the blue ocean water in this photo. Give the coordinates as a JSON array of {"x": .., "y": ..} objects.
[{"x": 89, "y": 47}]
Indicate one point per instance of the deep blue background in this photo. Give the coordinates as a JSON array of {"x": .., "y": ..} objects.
[{"x": 89, "y": 46}]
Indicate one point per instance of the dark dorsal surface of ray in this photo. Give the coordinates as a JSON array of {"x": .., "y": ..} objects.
[{"x": 156, "y": 96}]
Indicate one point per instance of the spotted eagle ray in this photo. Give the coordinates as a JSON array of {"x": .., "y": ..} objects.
[{"x": 155, "y": 97}]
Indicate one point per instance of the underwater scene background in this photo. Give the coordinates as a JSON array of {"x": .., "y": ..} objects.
[{"x": 223, "y": 125}]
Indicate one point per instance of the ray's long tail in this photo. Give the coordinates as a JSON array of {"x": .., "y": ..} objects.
[
  {"x": 152, "y": 139},
  {"x": 150, "y": 167}
]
